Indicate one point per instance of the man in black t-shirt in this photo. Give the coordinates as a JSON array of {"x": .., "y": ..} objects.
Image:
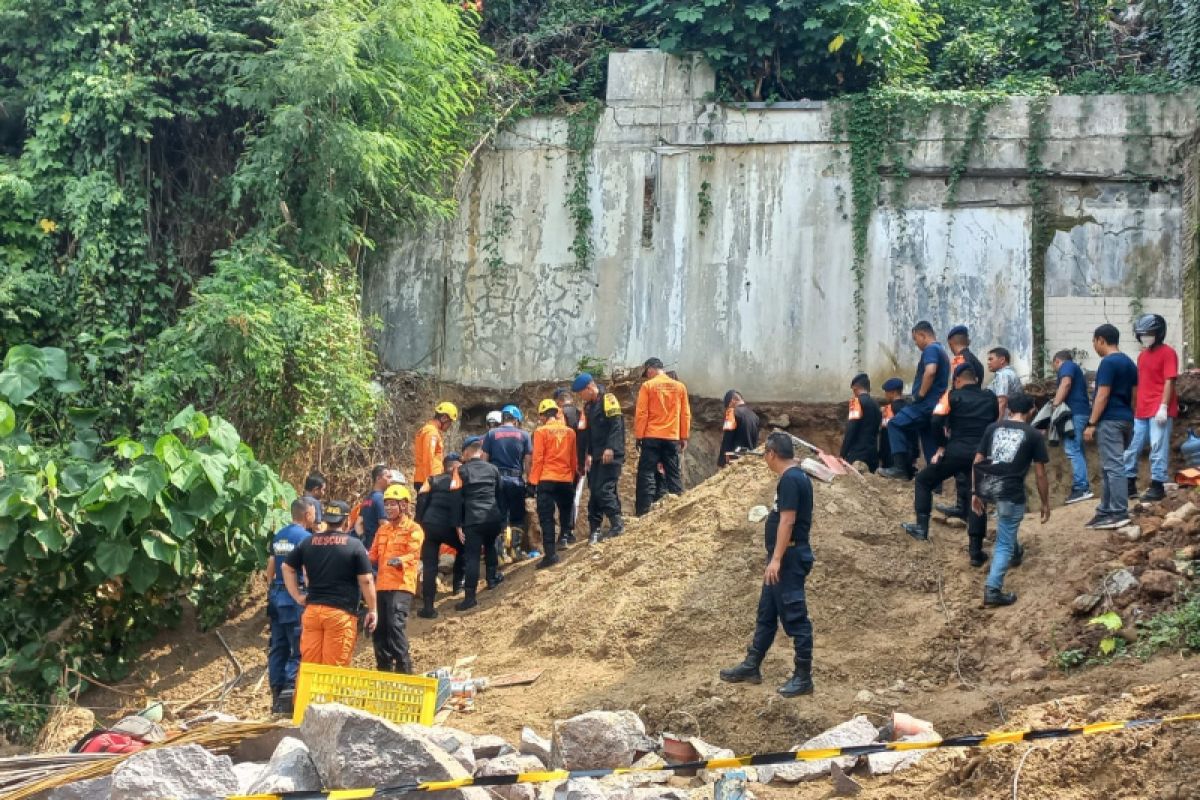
[
  {"x": 739, "y": 428},
  {"x": 790, "y": 559},
  {"x": 1005, "y": 453},
  {"x": 862, "y": 425},
  {"x": 336, "y": 569}
]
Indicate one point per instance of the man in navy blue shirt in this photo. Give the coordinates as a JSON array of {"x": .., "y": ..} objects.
[
  {"x": 789, "y": 560},
  {"x": 1111, "y": 425},
  {"x": 913, "y": 421},
  {"x": 510, "y": 450},
  {"x": 283, "y": 653},
  {"x": 373, "y": 513},
  {"x": 1072, "y": 390}
]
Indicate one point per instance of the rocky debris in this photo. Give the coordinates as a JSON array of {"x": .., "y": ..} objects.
[
  {"x": 1180, "y": 516},
  {"x": 580, "y": 789},
  {"x": 599, "y": 740},
  {"x": 290, "y": 769},
  {"x": 490, "y": 746},
  {"x": 887, "y": 763},
  {"x": 1132, "y": 557},
  {"x": 459, "y": 744},
  {"x": 1150, "y": 525},
  {"x": 248, "y": 773},
  {"x": 507, "y": 764},
  {"x": 183, "y": 773},
  {"x": 1189, "y": 553},
  {"x": 707, "y": 752},
  {"x": 1084, "y": 603},
  {"x": 353, "y": 749},
  {"x": 94, "y": 789},
  {"x": 1162, "y": 558},
  {"x": 1130, "y": 532},
  {"x": 533, "y": 745},
  {"x": 1119, "y": 582},
  {"x": 1024, "y": 674},
  {"x": 857, "y": 731},
  {"x": 650, "y": 764},
  {"x": 530, "y": 763},
  {"x": 864, "y": 697},
  {"x": 1159, "y": 583},
  {"x": 664, "y": 793},
  {"x": 843, "y": 784}
]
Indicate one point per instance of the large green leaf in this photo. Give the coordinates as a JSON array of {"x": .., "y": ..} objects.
[
  {"x": 19, "y": 382},
  {"x": 8, "y": 419},
  {"x": 182, "y": 420},
  {"x": 147, "y": 478},
  {"x": 142, "y": 573},
  {"x": 50, "y": 536},
  {"x": 223, "y": 435},
  {"x": 8, "y": 533},
  {"x": 54, "y": 363},
  {"x": 113, "y": 557},
  {"x": 160, "y": 546},
  {"x": 170, "y": 451},
  {"x": 25, "y": 354},
  {"x": 109, "y": 515},
  {"x": 215, "y": 466}
]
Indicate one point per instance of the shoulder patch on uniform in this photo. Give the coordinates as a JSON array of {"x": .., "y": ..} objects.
[{"x": 612, "y": 406}]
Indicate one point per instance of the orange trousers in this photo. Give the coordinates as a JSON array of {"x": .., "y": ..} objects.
[{"x": 327, "y": 636}]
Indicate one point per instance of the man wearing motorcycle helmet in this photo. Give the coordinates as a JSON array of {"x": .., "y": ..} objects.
[{"x": 1156, "y": 406}]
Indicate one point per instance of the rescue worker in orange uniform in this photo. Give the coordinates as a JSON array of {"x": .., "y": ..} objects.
[
  {"x": 429, "y": 447},
  {"x": 397, "y": 553},
  {"x": 552, "y": 475},
  {"x": 662, "y": 423},
  {"x": 337, "y": 571}
]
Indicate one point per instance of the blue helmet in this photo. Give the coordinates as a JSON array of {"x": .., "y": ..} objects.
[{"x": 512, "y": 411}]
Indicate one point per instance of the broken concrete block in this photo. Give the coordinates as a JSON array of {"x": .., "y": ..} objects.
[
  {"x": 530, "y": 763},
  {"x": 648, "y": 774},
  {"x": 490, "y": 746},
  {"x": 353, "y": 749},
  {"x": 1184, "y": 513},
  {"x": 248, "y": 773},
  {"x": 459, "y": 744},
  {"x": 1119, "y": 582},
  {"x": 598, "y": 740},
  {"x": 290, "y": 769},
  {"x": 533, "y": 745},
  {"x": 507, "y": 764},
  {"x": 184, "y": 773},
  {"x": 857, "y": 731},
  {"x": 887, "y": 763},
  {"x": 94, "y": 789},
  {"x": 708, "y": 752},
  {"x": 581, "y": 789}
]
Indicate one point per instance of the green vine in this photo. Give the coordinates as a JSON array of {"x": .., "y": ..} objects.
[
  {"x": 581, "y": 138},
  {"x": 493, "y": 238},
  {"x": 1042, "y": 228},
  {"x": 704, "y": 199},
  {"x": 1137, "y": 135}
]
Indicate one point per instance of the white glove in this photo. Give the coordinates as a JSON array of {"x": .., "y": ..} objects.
[{"x": 1161, "y": 417}]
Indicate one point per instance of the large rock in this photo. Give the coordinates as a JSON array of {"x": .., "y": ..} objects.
[
  {"x": 353, "y": 750},
  {"x": 291, "y": 769},
  {"x": 507, "y": 764},
  {"x": 1119, "y": 582},
  {"x": 1159, "y": 583},
  {"x": 598, "y": 740},
  {"x": 708, "y": 752},
  {"x": 887, "y": 763},
  {"x": 188, "y": 772},
  {"x": 857, "y": 731},
  {"x": 459, "y": 744},
  {"x": 583, "y": 789},
  {"x": 94, "y": 789},
  {"x": 534, "y": 745},
  {"x": 490, "y": 746}
]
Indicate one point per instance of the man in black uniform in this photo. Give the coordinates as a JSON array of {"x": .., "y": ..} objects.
[
  {"x": 967, "y": 412},
  {"x": 893, "y": 401},
  {"x": 790, "y": 559},
  {"x": 740, "y": 428},
  {"x": 576, "y": 421},
  {"x": 440, "y": 513},
  {"x": 481, "y": 518},
  {"x": 862, "y": 425},
  {"x": 604, "y": 455},
  {"x": 959, "y": 342}
]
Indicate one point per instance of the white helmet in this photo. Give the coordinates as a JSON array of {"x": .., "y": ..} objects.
[{"x": 494, "y": 418}]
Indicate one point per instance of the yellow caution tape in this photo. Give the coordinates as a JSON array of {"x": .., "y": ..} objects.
[{"x": 993, "y": 739}]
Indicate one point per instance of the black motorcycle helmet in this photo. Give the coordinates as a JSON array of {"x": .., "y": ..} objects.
[{"x": 1150, "y": 325}]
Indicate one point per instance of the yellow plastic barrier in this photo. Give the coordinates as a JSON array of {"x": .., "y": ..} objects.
[{"x": 397, "y": 698}]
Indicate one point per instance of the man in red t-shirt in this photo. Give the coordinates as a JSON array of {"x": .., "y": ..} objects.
[{"x": 1156, "y": 404}]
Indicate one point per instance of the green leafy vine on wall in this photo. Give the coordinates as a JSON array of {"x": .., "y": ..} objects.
[
  {"x": 581, "y": 137},
  {"x": 494, "y": 236},
  {"x": 1042, "y": 227}
]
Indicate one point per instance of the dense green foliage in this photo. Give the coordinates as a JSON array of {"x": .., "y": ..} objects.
[
  {"x": 189, "y": 192},
  {"x": 99, "y": 543}
]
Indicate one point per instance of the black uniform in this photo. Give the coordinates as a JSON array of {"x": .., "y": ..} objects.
[
  {"x": 962, "y": 480},
  {"x": 969, "y": 358},
  {"x": 786, "y": 602},
  {"x": 862, "y": 432},
  {"x": 972, "y": 410},
  {"x": 482, "y": 520},
  {"x": 605, "y": 431},
  {"x": 885, "y": 445},
  {"x": 743, "y": 433},
  {"x": 440, "y": 514}
]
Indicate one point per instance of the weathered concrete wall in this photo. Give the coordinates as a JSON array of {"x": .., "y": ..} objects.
[{"x": 723, "y": 241}]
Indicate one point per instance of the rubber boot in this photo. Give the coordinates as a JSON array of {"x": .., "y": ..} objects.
[
  {"x": 468, "y": 602},
  {"x": 998, "y": 597},
  {"x": 896, "y": 473},
  {"x": 275, "y": 709},
  {"x": 618, "y": 527},
  {"x": 287, "y": 701},
  {"x": 975, "y": 551},
  {"x": 919, "y": 530},
  {"x": 1155, "y": 493},
  {"x": 800, "y": 682},
  {"x": 745, "y": 672},
  {"x": 951, "y": 512},
  {"x": 427, "y": 610}
]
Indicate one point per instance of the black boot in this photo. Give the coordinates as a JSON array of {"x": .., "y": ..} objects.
[
  {"x": 427, "y": 612},
  {"x": 594, "y": 535},
  {"x": 548, "y": 560},
  {"x": 617, "y": 527},
  {"x": 951, "y": 512},
  {"x": 275, "y": 709},
  {"x": 564, "y": 542},
  {"x": 745, "y": 672},
  {"x": 895, "y": 473},
  {"x": 287, "y": 701},
  {"x": 1017, "y": 557},
  {"x": 800, "y": 682},
  {"x": 998, "y": 597},
  {"x": 1154, "y": 493},
  {"x": 919, "y": 530},
  {"x": 1133, "y": 492},
  {"x": 468, "y": 602}
]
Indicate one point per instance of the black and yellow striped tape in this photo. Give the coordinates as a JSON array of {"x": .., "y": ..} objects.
[{"x": 758, "y": 759}]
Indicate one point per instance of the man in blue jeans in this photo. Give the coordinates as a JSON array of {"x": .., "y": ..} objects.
[
  {"x": 1072, "y": 390},
  {"x": 913, "y": 421},
  {"x": 283, "y": 654},
  {"x": 1007, "y": 450},
  {"x": 1111, "y": 425}
]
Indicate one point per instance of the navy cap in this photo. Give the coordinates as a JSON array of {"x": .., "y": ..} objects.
[
  {"x": 729, "y": 396},
  {"x": 958, "y": 330},
  {"x": 560, "y": 392},
  {"x": 961, "y": 368},
  {"x": 861, "y": 378},
  {"x": 454, "y": 456},
  {"x": 471, "y": 441},
  {"x": 893, "y": 385},
  {"x": 652, "y": 363},
  {"x": 581, "y": 381}
]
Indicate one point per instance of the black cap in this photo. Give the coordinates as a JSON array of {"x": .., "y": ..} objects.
[
  {"x": 961, "y": 368},
  {"x": 335, "y": 511},
  {"x": 729, "y": 396},
  {"x": 958, "y": 330},
  {"x": 651, "y": 363},
  {"x": 861, "y": 379}
]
